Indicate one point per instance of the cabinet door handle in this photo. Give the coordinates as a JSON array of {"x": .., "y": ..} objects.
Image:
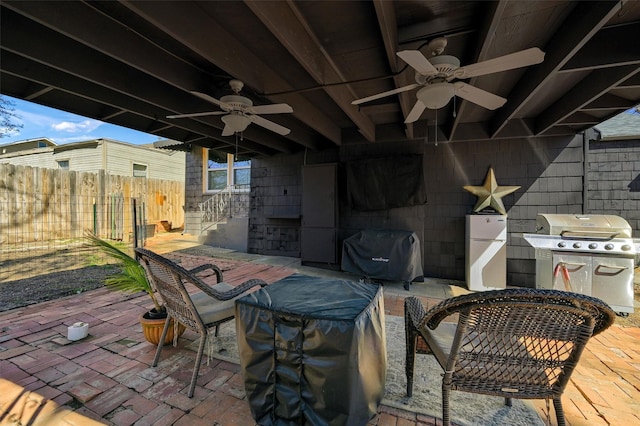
[{"x": 615, "y": 270}]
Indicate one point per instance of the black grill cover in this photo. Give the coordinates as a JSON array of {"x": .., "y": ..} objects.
[
  {"x": 312, "y": 351},
  {"x": 384, "y": 254}
]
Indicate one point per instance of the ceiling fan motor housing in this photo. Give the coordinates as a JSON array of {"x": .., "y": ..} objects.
[{"x": 237, "y": 102}]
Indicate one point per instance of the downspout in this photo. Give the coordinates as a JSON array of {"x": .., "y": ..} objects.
[{"x": 585, "y": 173}]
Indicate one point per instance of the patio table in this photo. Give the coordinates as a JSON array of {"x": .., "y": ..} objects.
[{"x": 312, "y": 351}]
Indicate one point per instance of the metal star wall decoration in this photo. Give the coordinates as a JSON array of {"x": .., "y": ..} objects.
[{"x": 490, "y": 194}]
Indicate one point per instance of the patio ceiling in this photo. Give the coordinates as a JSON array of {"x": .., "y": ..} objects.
[{"x": 133, "y": 63}]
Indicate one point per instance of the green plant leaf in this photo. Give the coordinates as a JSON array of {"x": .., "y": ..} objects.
[{"x": 132, "y": 277}]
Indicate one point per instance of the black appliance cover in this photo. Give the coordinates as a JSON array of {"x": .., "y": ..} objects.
[
  {"x": 312, "y": 351},
  {"x": 384, "y": 254}
]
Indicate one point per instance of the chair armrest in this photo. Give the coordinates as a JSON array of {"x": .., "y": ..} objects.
[
  {"x": 414, "y": 310},
  {"x": 230, "y": 294},
  {"x": 603, "y": 314},
  {"x": 211, "y": 266}
]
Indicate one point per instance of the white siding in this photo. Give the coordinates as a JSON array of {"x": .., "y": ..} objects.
[
  {"x": 85, "y": 159},
  {"x": 116, "y": 158},
  {"x": 161, "y": 164}
]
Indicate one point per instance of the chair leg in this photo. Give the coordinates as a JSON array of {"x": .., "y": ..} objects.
[
  {"x": 165, "y": 329},
  {"x": 196, "y": 367},
  {"x": 557, "y": 405},
  {"x": 508, "y": 402},
  {"x": 446, "y": 392},
  {"x": 410, "y": 356}
]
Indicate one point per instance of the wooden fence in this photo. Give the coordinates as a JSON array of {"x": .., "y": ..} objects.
[{"x": 52, "y": 204}]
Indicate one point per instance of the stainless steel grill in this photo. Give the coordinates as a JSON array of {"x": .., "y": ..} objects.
[{"x": 588, "y": 254}]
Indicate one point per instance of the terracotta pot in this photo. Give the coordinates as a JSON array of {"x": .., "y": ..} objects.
[{"x": 152, "y": 329}]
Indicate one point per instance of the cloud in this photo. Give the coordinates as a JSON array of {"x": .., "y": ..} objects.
[{"x": 76, "y": 127}]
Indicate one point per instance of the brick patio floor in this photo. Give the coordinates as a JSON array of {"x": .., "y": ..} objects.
[{"x": 108, "y": 376}]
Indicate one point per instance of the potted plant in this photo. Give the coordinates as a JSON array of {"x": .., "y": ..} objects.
[{"x": 132, "y": 279}]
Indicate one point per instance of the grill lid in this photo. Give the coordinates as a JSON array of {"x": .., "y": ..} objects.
[{"x": 572, "y": 226}]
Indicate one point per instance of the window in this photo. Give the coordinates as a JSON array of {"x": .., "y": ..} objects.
[
  {"x": 139, "y": 170},
  {"x": 242, "y": 174},
  {"x": 219, "y": 176},
  {"x": 216, "y": 171},
  {"x": 63, "y": 164}
]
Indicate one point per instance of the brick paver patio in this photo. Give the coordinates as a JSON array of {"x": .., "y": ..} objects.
[{"x": 108, "y": 375}]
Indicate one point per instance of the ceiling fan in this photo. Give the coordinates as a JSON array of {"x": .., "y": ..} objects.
[
  {"x": 435, "y": 76},
  {"x": 238, "y": 111}
]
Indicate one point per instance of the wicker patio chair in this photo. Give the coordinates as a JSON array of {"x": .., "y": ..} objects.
[
  {"x": 200, "y": 311},
  {"x": 513, "y": 343}
]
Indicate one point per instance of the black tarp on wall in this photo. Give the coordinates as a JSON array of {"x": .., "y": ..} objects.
[{"x": 384, "y": 183}]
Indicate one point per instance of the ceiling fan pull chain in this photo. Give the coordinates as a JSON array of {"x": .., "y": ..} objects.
[
  {"x": 435, "y": 128},
  {"x": 235, "y": 158},
  {"x": 454, "y": 106}
]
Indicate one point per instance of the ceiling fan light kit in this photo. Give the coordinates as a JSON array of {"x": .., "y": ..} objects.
[
  {"x": 236, "y": 122},
  {"x": 436, "y": 95}
]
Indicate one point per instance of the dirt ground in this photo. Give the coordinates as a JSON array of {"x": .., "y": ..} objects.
[{"x": 78, "y": 269}]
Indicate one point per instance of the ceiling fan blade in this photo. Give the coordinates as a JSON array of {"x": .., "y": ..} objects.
[
  {"x": 519, "y": 59},
  {"x": 213, "y": 100},
  {"x": 270, "y": 125},
  {"x": 417, "y": 61},
  {"x": 416, "y": 112},
  {"x": 478, "y": 96},
  {"x": 197, "y": 114},
  {"x": 384, "y": 94},
  {"x": 270, "y": 109}
]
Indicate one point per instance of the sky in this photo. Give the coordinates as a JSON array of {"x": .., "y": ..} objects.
[{"x": 63, "y": 127}]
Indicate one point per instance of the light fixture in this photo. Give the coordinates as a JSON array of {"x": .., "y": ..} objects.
[
  {"x": 436, "y": 95},
  {"x": 236, "y": 121}
]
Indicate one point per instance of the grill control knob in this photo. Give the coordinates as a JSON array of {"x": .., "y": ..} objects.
[
  {"x": 577, "y": 245},
  {"x": 562, "y": 244},
  {"x": 626, "y": 247},
  {"x": 593, "y": 246},
  {"x": 608, "y": 246}
]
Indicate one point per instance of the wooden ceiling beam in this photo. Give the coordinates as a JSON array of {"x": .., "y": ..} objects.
[
  {"x": 589, "y": 89},
  {"x": 614, "y": 46},
  {"x": 485, "y": 40},
  {"x": 287, "y": 24},
  {"x": 224, "y": 53},
  {"x": 104, "y": 62},
  {"x": 75, "y": 86},
  {"x": 579, "y": 27},
  {"x": 388, "y": 23}
]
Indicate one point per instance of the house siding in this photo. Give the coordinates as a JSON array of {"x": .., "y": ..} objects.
[
  {"x": 551, "y": 172},
  {"x": 614, "y": 180},
  {"x": 548, "y": 170},
  {"x": 116, "y": 158}
]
